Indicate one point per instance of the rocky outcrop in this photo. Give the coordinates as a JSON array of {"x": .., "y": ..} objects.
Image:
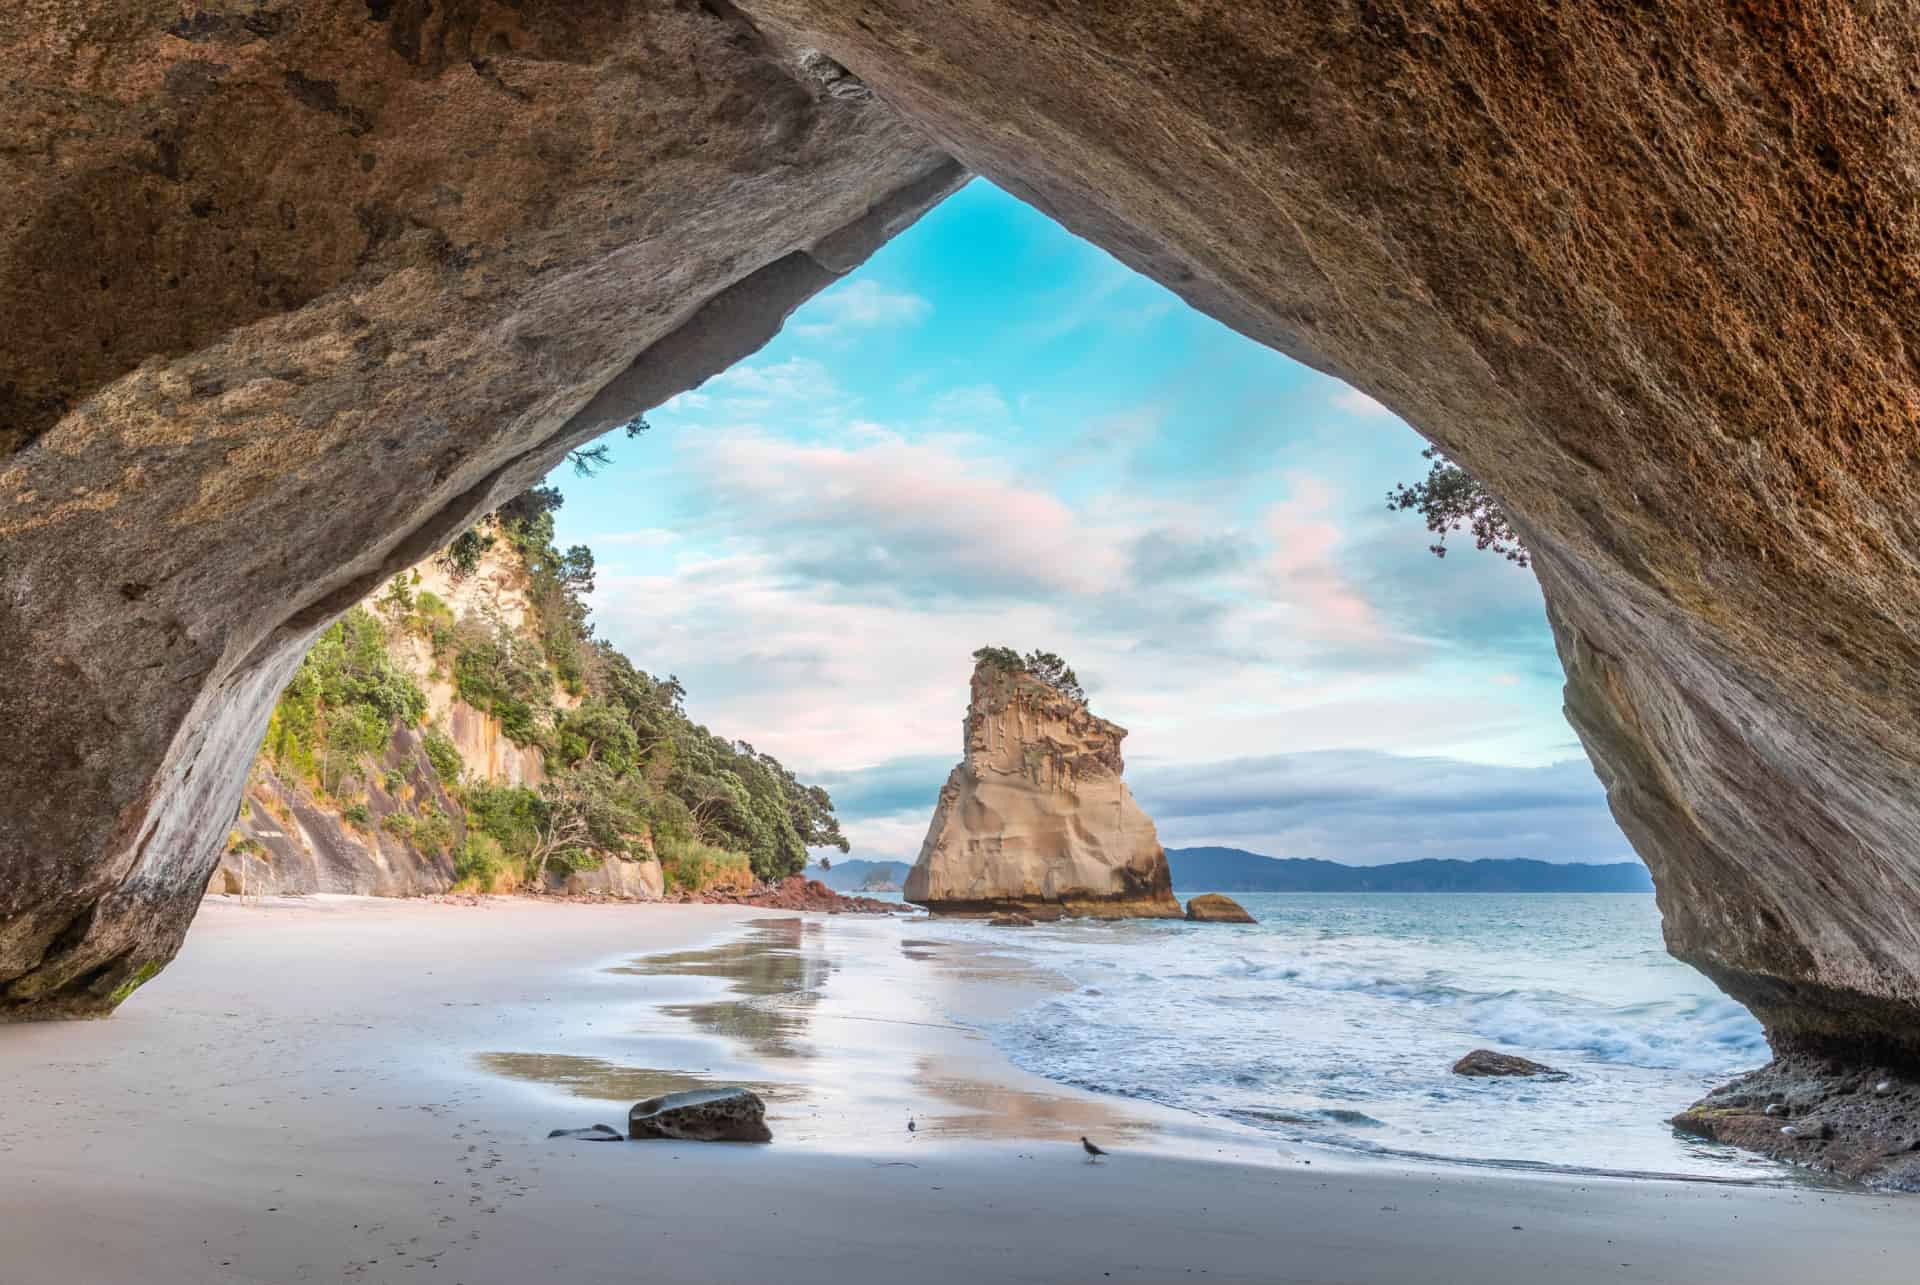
[
  {"x": 298, "y": 292},
  {"x": 1213, "y": 908},
  {"x": 1035, "y": 818},
  {"x": 1485, "y": 1063},
  {"x": 287, "y": 842},
  {"x": 796, "y": 892},
  {"x": 701, "y": 1115},
  {"x": 1848, "y": 1120}
]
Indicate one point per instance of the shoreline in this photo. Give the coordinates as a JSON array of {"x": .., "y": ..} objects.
[{"x": 288, "y": 1102}]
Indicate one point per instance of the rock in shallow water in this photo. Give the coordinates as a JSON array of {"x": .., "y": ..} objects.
[
  {"x": 1212, "y": 908},
  {"x": 701, "y": 1115},
  {"x": 1485, "y": 1062}
]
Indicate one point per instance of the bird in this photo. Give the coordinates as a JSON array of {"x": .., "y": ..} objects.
[
  {"x": 1093, "y": 1153},
  {"x": 911, "y": 1126}
]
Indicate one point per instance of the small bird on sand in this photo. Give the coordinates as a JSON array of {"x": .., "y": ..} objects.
[{"x": 1093, "y": 1153}]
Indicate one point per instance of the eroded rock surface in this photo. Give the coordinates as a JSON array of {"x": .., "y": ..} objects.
[
  {"x": 1859, "y": 1122},
  {"x": 1214, "y": 908},
  {"x": 701, "y": 1115},
  {"x": 1649, "y": 273},
  {"x": 1035, "y": 818},
  {"x": 1485, "y": 1063},
  {"x": 298, "y": 291}
]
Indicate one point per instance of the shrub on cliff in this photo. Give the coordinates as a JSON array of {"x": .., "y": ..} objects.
[
  {"x": 498, "y": 671},
  {"x": 342, "y": 704},
  {"x": 444, "y": 755}
]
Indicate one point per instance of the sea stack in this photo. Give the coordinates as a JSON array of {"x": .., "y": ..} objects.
[{"x": 1035, "y": 819}]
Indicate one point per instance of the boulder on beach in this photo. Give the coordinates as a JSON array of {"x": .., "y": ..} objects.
[
  {"x": 595, "y": 1133},
  {"x": 1212, "y": 908},
  {"x": 1035, "y": 820},
  {"x": 701, "y": 1115},
  {"x": 1485, "y": 1062}
]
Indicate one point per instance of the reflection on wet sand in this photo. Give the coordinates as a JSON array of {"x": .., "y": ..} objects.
[
  {"x": 592, "y": 1077},
  {"x": 779, "y": 966},
  {"x": 990, "y": 1110},
  {"x": 966, "y": 961},
  {"x": 849, "y": 1061}
]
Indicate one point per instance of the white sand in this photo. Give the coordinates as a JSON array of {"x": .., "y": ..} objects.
[{"x": 296, "y": 1099}]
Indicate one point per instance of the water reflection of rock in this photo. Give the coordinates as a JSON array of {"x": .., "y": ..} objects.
[
  {"x": 592, "y": 1077},
  {"x": 780, "y": 967}
]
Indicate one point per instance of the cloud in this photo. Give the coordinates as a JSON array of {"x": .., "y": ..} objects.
[
  {"x": 1166, "y": 555},
  {"x": 645, "y": 538},
  {"x": 1355, "y": 402},
  {"x": 859, "y": 304},
  {"x": 969, "y": 405},
  {"x": 799, "y": 388},
  {"x": 1365, "y": 808},
  {"x": 1310, "y": 570},
  {"x": 885, "y": 515}
]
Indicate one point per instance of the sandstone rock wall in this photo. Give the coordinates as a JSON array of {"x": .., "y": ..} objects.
[
  {"x": 1036, "y": 818},
  {"x": 290, "y": 840},
  {"x": 296, "y": 292},
  {"x": 1650, "y": 272}
]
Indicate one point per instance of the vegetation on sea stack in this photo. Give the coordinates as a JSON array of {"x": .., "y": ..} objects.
[{"x": 1043, "y": 665}]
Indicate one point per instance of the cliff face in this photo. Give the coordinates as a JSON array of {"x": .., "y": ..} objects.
[
  {"x": 1036, "y": 818},
  {"x": 292, "y": 838}
]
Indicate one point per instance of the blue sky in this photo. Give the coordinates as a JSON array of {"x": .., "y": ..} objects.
[{"x": 996, "y": 433}]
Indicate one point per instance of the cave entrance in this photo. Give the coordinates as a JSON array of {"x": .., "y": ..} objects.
[{"x": 1058, "y": 453}]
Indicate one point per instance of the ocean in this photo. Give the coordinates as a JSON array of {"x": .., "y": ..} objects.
[{"x": 1335, "y": 1020}]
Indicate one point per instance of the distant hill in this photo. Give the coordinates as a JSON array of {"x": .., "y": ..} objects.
[
  {"x": 1233, "y": 870},
  {"x": 851, "y": 876}
]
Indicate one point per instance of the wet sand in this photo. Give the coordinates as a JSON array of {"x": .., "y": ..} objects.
[{"x": 337, "y": 1089}]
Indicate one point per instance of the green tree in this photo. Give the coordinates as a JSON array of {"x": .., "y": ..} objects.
[
  {"x": 1055, "y": 673},
  {"x": 1452, "y": 499}
]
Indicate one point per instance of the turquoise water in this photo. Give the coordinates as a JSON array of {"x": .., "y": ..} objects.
[{"x": 1335, "y": 1020}]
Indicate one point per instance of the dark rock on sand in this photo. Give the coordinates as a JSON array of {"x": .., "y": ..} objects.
[
  {"x": 1485, "y": 1062},
  {"x": 1212, "y": 908},
  {"x": 1858, "y": 1124},
  {"x": 1012, "y": 919},
  {"x": 702, "y": 1115},
  {"x": 598, "y": 1133}
]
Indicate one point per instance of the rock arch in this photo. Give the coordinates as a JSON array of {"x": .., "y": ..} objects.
[{"x": 301, "y": 293}]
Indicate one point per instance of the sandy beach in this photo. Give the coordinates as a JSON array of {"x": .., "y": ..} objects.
[{"x": 341, "y": 1089}]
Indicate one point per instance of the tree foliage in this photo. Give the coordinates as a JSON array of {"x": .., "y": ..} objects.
[
  {"x": 1451, "y": 499},
  {"x": 1046, "y": 666},
  {"x": 342, "y": 704}
]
